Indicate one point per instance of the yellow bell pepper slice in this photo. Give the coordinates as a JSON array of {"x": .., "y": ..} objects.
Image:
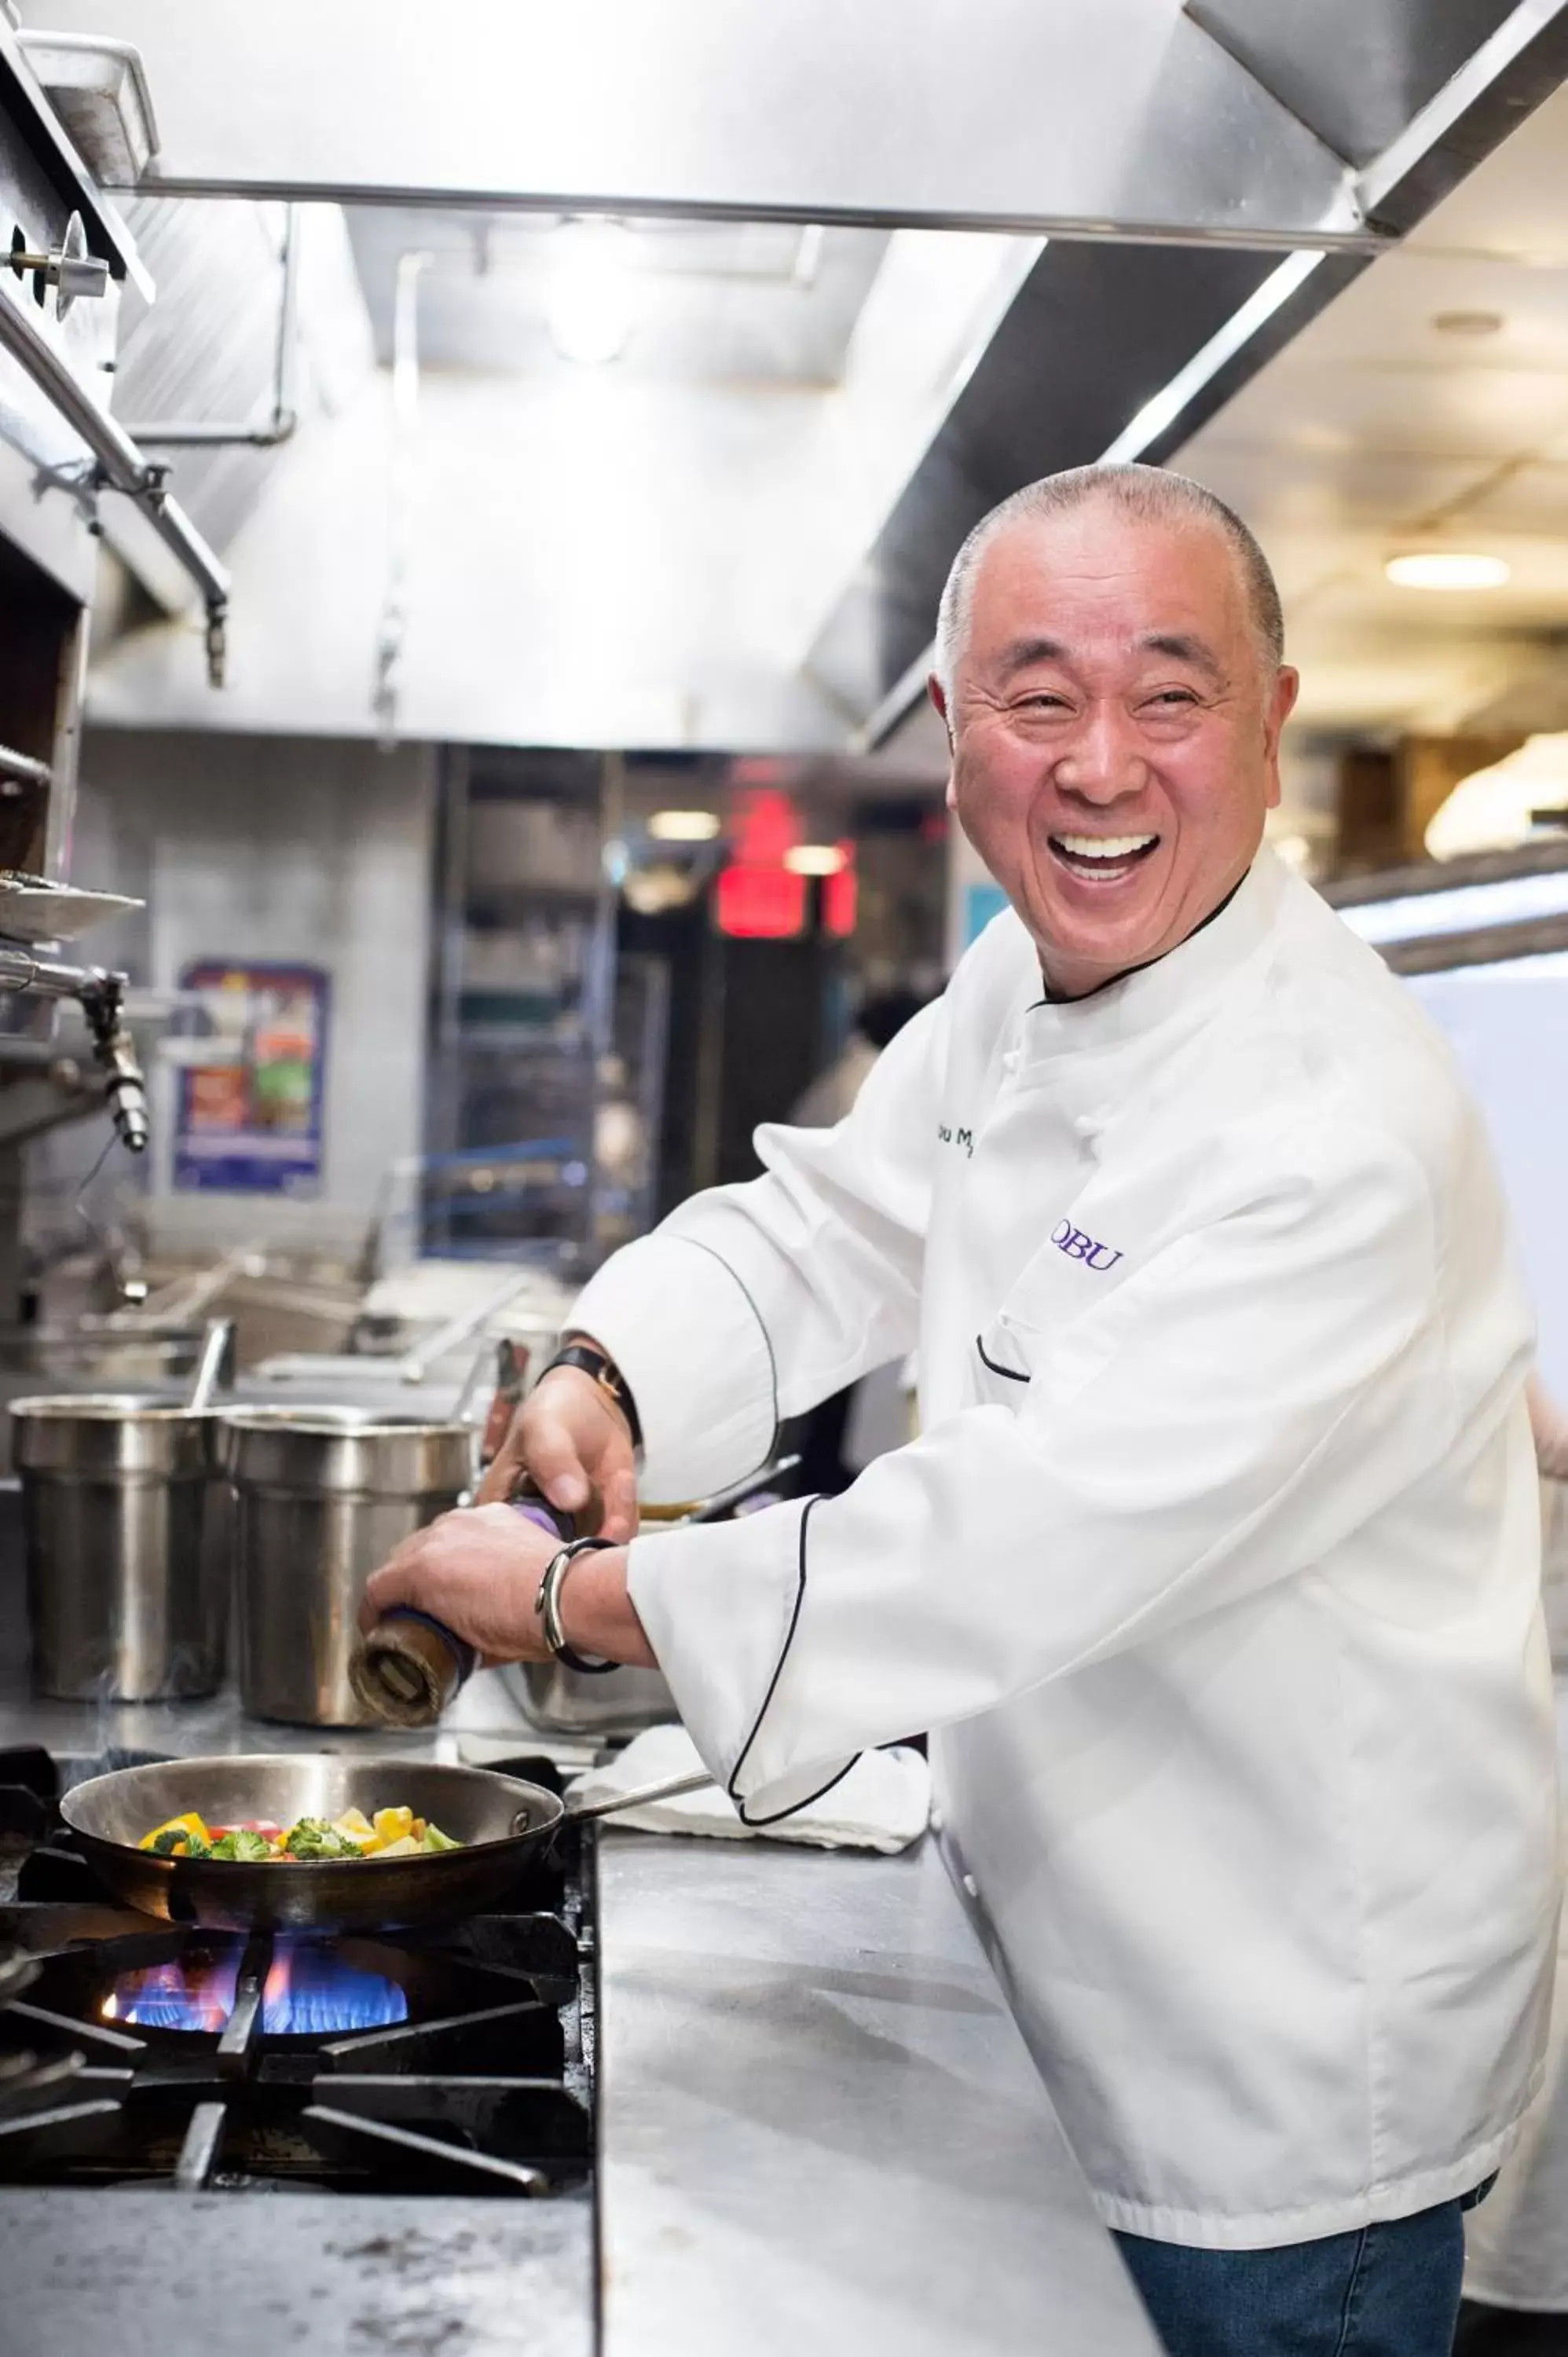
[
  {"x": 355, "y": 1826},
  {"x": 188, "y": 1823},
  {"x": 393, "y": 1824}
]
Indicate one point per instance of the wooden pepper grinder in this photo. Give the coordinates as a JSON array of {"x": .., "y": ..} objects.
[{"x": 408, "y": 1669}]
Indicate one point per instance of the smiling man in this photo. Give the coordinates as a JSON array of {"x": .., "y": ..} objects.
[{"x": 1215, "y": 1568}]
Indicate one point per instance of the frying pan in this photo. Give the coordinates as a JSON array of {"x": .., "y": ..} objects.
[{"x": 501, "y": 1820}]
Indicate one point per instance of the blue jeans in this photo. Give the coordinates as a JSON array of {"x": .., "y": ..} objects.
[{"x": 1380, "y": 2291}]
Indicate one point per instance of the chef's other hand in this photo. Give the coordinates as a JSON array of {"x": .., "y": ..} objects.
[
  {"x": 476, "y": 1570},
  {"x": 571, "y": 1440}
]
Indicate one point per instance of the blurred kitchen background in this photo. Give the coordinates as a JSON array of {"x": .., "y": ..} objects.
[{"x": 570, "y": 788}]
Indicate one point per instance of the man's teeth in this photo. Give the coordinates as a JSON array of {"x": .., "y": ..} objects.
[{"x": 1104, "y": 846}]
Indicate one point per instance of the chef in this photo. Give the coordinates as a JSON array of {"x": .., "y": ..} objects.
[{"x": 1215, "y": 1567}]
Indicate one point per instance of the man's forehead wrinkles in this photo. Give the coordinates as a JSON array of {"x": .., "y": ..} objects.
[{"x": 1177, "y": 645}]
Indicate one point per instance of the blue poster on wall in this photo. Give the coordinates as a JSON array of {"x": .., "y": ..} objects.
[
  {"x": 253, "y": 1093},
  {"x": 981, "y": 903}
]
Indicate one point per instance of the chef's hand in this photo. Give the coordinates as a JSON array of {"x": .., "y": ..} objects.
[
  {"x": 571, "y": 1440},
  {"x": 477, "y": 1570}
]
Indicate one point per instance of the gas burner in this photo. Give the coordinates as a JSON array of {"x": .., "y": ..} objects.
[
  {"x": 458, "y": 2058},
  {"x": 311, "y": 1989}
]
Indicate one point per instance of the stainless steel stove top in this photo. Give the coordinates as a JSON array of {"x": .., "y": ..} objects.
[{"x": 458, "y": 2060}]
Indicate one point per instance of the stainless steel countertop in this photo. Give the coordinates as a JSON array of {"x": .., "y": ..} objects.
[
  {"x": 293, "y": 2275},
  {"x": 820, "y": 2133}
]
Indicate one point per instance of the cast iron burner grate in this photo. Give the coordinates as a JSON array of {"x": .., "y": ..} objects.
[{"x": 457, "y": 2060}]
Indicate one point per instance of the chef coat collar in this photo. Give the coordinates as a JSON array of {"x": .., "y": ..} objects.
[
  {"x": 1049, "y": 997},
  {"x": 1174, "y": 989}
]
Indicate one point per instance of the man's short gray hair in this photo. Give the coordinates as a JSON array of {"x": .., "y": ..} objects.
[{"x": 1151, "y": 494}]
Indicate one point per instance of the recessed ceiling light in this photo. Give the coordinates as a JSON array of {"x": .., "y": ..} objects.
[
  {"x": 815, "y": 859},
  {"x": 593, "y": 298},
  {"x": 1448, "y": 568},
  {"x": 1468, "y": 323},
  {"x": 683, "y": 826}
]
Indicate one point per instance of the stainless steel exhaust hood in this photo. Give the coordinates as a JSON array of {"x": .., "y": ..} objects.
[
  {"x": 1124, "y": 117},
  {"x": 65, "y": 243},
  {"x": 1207, "y": 175}
]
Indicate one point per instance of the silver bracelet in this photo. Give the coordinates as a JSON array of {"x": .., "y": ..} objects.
[{"x": 547, "y": 1604}]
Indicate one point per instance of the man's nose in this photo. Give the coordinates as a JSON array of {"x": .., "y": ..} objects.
[{"x": 1104, "y": 760}]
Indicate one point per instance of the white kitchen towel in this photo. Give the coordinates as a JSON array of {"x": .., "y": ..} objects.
[{"x": 883, "y": 1803}]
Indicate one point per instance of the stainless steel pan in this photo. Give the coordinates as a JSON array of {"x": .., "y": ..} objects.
[{"x": 500, "y": 1820}]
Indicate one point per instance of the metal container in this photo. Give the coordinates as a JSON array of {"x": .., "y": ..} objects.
[
  {"x": 576, "y": 1703},
  {"x": 561, "y": 1701},
  {"x": 127, "y": 1587},
  {"x": 322, "y": 1495},
  {"x": 93, "y": 1355}
]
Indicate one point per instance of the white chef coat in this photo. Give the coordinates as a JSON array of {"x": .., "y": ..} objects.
[
  {"x": 1215, "y": 1568},
  {"x": 1516, "y": 2244}
]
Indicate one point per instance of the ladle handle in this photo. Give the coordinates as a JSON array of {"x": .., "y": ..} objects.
[
  {"x": 579, "y": 1814},
  {"x": 214, "y": 1348}
]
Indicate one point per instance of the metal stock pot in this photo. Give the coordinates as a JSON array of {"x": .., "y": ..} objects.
[
  {"x": 322, "y": 1495},
  {"x": 127, "y": 1584}
]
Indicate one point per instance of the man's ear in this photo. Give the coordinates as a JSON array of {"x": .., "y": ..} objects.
[
  {"x": 1287, "y": 687},
  {"x": 938, "y": 695}
]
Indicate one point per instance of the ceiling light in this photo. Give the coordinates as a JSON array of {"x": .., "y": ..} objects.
[
  {"x": 816, "y": 859},
  {"x": 1448, "y": 568},
  {"x": 683, "y": 826},
  {"x": 592, "y": 300}
]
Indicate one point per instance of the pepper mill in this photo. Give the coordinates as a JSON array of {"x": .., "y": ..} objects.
[{"x": 410, "y": 1666}]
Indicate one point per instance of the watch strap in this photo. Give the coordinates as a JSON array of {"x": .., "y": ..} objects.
[{"x": 602, "y": 1368}]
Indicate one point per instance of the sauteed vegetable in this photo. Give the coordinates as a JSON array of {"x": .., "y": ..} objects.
[{"x": 391, "y": 1833}]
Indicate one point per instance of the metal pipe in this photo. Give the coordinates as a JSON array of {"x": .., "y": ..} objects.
[
  {"x": 23, "y": 766},
  {"x": 102, "y": 997},
  {"x": 20, "y": 970},
  {"x": 416, "y": 1363},
  {"x": 122, "y": 468},
  {"x": 399, "y": 494},
  {"x": 284, "y": 419}
]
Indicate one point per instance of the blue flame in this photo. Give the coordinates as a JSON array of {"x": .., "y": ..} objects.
[
  {"x": 197, "y": 1996},
  {"x": 310, "y": 1992}
]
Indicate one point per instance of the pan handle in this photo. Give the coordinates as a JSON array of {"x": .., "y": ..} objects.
[{"x": 580, "y": 1813}]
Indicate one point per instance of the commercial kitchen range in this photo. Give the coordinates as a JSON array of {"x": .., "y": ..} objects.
[{"x": 676, "y": 2095}]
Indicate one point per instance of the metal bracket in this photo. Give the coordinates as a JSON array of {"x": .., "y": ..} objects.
[
  {"x": 72, "y": 271},
  {"x": 119, "y": 464}
]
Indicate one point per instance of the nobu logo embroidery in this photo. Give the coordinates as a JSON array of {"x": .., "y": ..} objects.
[
  {"x": 964, "y": 1137},
  {"x": 1078, "y": 1246}
]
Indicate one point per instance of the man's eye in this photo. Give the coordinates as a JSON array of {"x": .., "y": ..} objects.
[
  {"x": 1043, "y": 702},
  {"x": 1174, "y": 695}
]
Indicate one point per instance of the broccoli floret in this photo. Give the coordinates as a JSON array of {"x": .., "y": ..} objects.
[
  {"x": 178, "y": 1840},
  {"x": 313, "y": 1837},
  {"x": 436, "y": 1839},
  {"x": 242, "y": 1843}
]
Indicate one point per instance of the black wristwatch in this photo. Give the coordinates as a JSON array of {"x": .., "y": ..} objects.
[{"x": 607, "y": 1374}]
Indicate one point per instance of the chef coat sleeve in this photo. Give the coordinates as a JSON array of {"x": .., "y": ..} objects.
[
  {"x": 751, "y": 1303},
  {"x": 1241, "y": 1402}
]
